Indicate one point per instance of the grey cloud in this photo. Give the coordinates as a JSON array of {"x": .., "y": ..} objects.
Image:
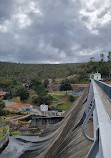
[
  {"x": 6, "y": 8},
  {"x": 56, "y": 35}
]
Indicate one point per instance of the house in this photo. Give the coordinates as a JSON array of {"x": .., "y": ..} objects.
[
  {"x": 96, "y": 76},
  {"x": 2, "y": 95}
]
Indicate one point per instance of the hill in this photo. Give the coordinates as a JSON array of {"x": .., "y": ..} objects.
[
  {"x": 79, "y": 72},
  {"x": 26, "y": 72}
]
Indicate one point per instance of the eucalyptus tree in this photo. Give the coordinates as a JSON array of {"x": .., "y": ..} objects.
[{"x": 65, "y": 85}]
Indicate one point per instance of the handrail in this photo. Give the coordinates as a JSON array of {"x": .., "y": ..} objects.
[
  {"x": 101, "y": 147},
  {"x": 105, "y": 87},
  {"x": 104, "y": 124}
]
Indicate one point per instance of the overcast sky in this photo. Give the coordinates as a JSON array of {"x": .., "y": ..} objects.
[{"x": 54, "y": 31}]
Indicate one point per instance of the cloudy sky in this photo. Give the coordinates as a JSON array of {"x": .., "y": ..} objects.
[{"x": 54, "y": 31}]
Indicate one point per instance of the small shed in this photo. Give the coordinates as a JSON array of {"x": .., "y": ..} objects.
[{"x": 96, "y": 76}]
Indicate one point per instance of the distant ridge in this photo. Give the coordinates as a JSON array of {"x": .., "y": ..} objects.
[{"x": 25, "y": 72}]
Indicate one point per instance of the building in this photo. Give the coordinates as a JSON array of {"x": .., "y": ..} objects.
[
  {"x": 96, "y": 76},
  {"x": 43, "y": 107},
  {"x": 2, "y": 95}
]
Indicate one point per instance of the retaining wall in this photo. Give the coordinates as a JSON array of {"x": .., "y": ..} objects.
[
  {"x": 4, "y": 140},
  {"x": 44, "y": 121}
]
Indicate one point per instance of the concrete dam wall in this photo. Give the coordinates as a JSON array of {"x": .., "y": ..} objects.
[{"x": 65, "y": 139}]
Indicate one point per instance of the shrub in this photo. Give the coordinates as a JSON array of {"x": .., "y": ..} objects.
[
  {"x": 23, "y": 93},
  {"x": 4, "y": 112},
  {"x": 2, "y": 104},
  {"x": 42, "y": 99},
  {"x": 71, "y": 98},
  {"x": 45, "y": 83},
  {"x": 34, "y": 99},
  {"x": 14, "y": 133},
  {"x": 65, "y": 85}
]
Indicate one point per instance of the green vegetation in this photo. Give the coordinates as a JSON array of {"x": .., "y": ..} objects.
[
  {"x": 67, "y": 102},
  {"x": 65, "y": 85},
  {"x": 65, "y": 98},
  {"x": 2, "y": 120},
  {"x": 32, "y": 82},
  {"x": 41, "y": 91},
  {"x": 15, "y": 73},
  {"x": 64, "y": 106},
  {"x": 15, "y": 99},
  {"x": 55, "y": 100},
  {"x": 41, "y": 95},
  {"x": 15, "y": 133},
  {"x": 26, "y": 72},
  {"x": 2, "y": 106},
  {"x": 35, "y": 83},
  {"x": 23, "y": 93},
  {"x": 1, "y": 137},
  {"x": 45, "y": 83},
  {"x": 3, "y": 132},
  {"x": 71, "y": 98},
  {"x": 47, "y": 99},
  {"x": 38, "y": 133}
]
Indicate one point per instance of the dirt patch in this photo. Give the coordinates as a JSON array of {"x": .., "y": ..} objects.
[{"x": 17, "y": 105}]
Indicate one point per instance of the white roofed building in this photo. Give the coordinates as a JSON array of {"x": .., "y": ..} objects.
[
  {"x": 96, "y": 76},
  {"x": 43, "y": 107}
]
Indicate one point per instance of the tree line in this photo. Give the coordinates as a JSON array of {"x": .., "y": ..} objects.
[{"x": 16, "y": 73}]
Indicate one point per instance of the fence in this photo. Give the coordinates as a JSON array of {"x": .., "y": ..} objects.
[{"x": 101, "y": 147}]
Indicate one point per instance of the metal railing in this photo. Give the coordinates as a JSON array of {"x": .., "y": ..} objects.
[
  {"x": 101, "y": 147},
  {"x": 105, "y": 87}
]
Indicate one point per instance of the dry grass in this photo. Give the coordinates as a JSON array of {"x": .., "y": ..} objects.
[
  {"x": 108, "y": 82},
  {"x": 24, "y": 122}
]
